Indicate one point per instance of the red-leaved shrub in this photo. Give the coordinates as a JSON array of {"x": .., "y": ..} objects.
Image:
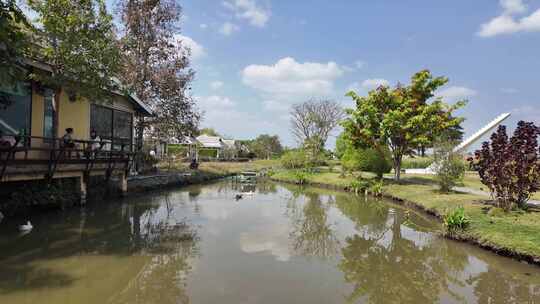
[{"x": 510, "y": 167}]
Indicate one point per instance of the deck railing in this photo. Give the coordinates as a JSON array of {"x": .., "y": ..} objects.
[{"x": 21, "y": 150}]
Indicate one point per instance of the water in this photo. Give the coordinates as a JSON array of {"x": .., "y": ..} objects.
[{"x": 282, "y": 245}]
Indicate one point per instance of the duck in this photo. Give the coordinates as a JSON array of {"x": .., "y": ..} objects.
[
  {"x": 238, "y": 196},
  {"x": 26, "y": 227}
]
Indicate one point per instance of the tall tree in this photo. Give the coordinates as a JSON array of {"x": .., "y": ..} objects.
[
  {"x": 401, "y": 118},
  {"x": 157, "y": 66},
  {"x": 312, "y": 121},
  {"x": 77, "y": 40},
  {"x": 266, "y": 146},
  {"x": 14, "y": 41}
]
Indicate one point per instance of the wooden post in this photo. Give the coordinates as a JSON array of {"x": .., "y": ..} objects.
[
  {"x": 83, "y": 188},
  {"x": 123, "y": 184}
]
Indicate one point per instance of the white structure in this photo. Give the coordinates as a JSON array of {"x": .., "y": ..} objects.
[
  {"x": 473, "y": 138},
  {"x": 466, "y": 143}
]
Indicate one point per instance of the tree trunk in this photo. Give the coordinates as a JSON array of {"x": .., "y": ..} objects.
[{"x": 397, "y": 167}]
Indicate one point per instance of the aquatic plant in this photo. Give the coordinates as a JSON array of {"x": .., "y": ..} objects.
[
  {"x": 455, "y": 220},
  {"x": 359, "y": 185},
  {"x": 377, "y": 188},
  {"x": 301, "y": 177}
]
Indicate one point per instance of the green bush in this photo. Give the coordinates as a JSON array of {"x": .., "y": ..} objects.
[
  {"x": 416, "y": 162},
  {"x": 360, "y": 185},
  {"x": 365, "y": 160},
  {"x": 456, "y": 220},
  {"x": 208, "y": 153},
  {"x": 177, "y": 149},
  {"x": 449, "y": 166},
  {"x": 294, "y": 159},
  {"x": 301, "y": 177},
  {"x": 377, "y": 188}
]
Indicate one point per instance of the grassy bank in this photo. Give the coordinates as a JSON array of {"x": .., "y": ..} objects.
[
  {"x": 512, "y": 234},
  {"x": 221, "y": 168}
]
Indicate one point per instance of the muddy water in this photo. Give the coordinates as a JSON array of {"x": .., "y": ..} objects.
[{"x": 281, "y": 245}]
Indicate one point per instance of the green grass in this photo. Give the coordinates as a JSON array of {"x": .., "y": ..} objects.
[
  {"x": 471, "y": 180},
  {"x": 222, "y": 168},
  {"x": 517, "y": 231},
  {"x": 416, "y": 162}
]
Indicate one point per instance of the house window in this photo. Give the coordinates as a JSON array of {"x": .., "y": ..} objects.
[
  {"x": 49, "y": 117},
  {"x": 111, "y": 124},
  {"x": 15, "y": 108}
]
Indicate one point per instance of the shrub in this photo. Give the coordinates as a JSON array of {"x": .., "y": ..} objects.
[
  {"x": 449, "y": 166},
  {"x": 377, "y": 188},
  {"x": 301, "y": 177},
  {"x": 416, "y": 162},
  {"x": 177, "y": 150},
  {"x": 365, "y": 160},
  {"x": 456, "y": 220},
  {"x": 294, "y": 159},
  {"x": 510, "y": 168},
  {"x": 207, "y": 153},
  {"x": 359, "y": 185}
]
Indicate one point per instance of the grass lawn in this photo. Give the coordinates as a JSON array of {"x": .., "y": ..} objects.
[
  {"x": 222, "y": 167},
  {"x": 471, "y": 180},
  {"x": 516, "y": 232}
]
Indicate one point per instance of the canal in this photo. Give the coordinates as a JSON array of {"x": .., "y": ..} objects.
[{"x": 279, "y": 244}]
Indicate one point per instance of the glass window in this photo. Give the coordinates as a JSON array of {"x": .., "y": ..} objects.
[
  {"x": 112, "y": 125},
  {"x": 15, "y": 108},
  {"x": 101, "y": 121},
  {"x": 122, "y": 126},
  {"x": 49, "y": 117}
]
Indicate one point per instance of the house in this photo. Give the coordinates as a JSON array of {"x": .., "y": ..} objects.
[
  {"x": 210, "y": 146},
  {"x": 34, "y": 118}
]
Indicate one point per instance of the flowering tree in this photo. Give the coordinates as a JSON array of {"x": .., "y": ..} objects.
[{"x": 510, "y": 167}]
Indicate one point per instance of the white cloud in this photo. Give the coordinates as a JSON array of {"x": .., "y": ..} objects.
[
  {"x": 370, "y": 84},
  {"x": 289, "y": 77},
  {"x": 508, "y": 23},
  {"x": 360, "y": 64},
  {"x": 367, "y": 85},
  {"x": 197, "y": 50},
  {"x": 213, "y": 102},
  {"x": 228, "y": 28},
  {"x": 249, "y": 10},
  {"x": 215, "y": 85},
  {"x": 203, "y": 26},
  {"x": 456, "y": 93},
  {"x": 274, "y": 105},
  {"x": 513, "y": 6}
]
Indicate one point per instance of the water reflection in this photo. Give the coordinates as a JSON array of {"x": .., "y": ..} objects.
[
  {"x": 284, "y": 244},
  {"x": 129, "y": 253},
  {"x": 312, "y": 234}
]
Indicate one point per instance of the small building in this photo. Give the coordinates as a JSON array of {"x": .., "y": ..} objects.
[
  {"x": 33, "y": 120},
  {"x": 210, "y": 147}
]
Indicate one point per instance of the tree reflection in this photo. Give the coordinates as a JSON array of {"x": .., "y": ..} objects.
[
  {"x": 311, "y": 234},
  {"x": 386, "y": 267},
  {"x": 140, "y": 247},
  {"x": 495, "y": 287}
]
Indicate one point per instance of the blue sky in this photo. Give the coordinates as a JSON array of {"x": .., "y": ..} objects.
[{"x": 254, "y": 58}]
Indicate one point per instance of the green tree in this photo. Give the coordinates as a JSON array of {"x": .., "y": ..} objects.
[
  {"x": 14, "y": 41},
  {"x": 266, "y": 146},
  {"x": 401, "y": 118},
  {"x": 450, "y": 167},
  {"x": 77, "y": 40}
]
